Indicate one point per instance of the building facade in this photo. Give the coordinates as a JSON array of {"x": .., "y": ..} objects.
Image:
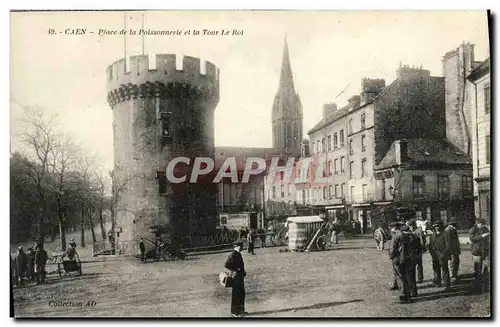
[
  {"x": 434, "y": 177},
  {"x": 479, "y": 88}
]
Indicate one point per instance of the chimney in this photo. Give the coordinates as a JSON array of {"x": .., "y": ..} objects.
[
  {"x": 370, "y": 88},
  {"x": 354, "y": 102},
  {"x": 328, "y": 109},
  {"x": 401, "y": 151},
  {"x": 305, "y": 148}
]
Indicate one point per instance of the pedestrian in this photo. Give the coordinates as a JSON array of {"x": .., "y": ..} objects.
[
  {"x": 479, "y": 236},
  {"x": 21, "y": 262},
  {"x": 453, "y": 245},
  {"x": 419, "y": 233},
  {"x": 31, "y": 264},
  {"x": 225, "y": 235},
  {"x": 262, "y": 235},
  {"x": 335, "y": 229},
  {"x": 40, "y": 262},
  {"x": 236, "y": 266},
  {"x": 440, "y": 255},
  {"x": 380, "y": 237},
  {"x": 142, "y": 248},
  {"x": 401, "y": 255},
  {"x": 250, "y": 239}
]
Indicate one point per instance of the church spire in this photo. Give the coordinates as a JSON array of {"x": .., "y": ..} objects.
[{"x": 286, "y": 78}]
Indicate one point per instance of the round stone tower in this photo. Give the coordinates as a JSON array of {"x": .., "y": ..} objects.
[{"x": 160, "y": 114}]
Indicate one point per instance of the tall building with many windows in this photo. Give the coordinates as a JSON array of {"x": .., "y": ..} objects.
[{"x": 479, "y": 88}]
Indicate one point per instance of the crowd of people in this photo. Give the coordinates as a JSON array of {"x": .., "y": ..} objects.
[
  {"x": 30, "y": 266},
  {"x": 409, "y": 242}
]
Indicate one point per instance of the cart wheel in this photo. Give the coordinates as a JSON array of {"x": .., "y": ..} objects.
[{"x": 321, "y": 243}]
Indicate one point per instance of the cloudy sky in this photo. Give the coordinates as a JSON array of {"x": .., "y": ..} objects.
[{"x": 329, "y": 51}]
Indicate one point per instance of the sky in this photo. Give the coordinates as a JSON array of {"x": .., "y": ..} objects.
[{"x": 329, "y": 51}]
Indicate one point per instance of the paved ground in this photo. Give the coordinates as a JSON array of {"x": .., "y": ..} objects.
[{"x": 351, "y": 281}]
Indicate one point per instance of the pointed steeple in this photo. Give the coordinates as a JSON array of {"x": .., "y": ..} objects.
[{"x": 286, "y": 77}]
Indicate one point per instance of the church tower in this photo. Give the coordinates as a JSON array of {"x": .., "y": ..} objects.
[{"x": 287, "y": 111}]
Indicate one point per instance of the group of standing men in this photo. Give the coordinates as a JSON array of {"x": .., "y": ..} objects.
[
  {"x": 30, "y": 266},
  {"x": 409, "y": 242}
]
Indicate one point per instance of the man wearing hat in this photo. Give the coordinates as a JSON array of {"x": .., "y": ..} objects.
[
  {"x": 479, "y": 236},
  {"x": 400, "y": 253},
  {"x": 453, "y": 245},
  {"x": 419, "y": 233},
  {"x": 236, "y": 266},
  {"x": 440, "y": 255}
]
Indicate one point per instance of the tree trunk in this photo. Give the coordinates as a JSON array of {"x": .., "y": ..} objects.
[
  {"x": 101, "y": 221},
  {"x": 83, "y": 228},
  {"x": 40, "y": 235},
  {"x": 94, "y": 239},
  {"x": 113, "y": 225},
  {"x": 62, "y": 230}
]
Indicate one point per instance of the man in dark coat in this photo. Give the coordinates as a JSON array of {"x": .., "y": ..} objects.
[
  {"x": 453, "y": 246},
  {"x": 262, "y": 236},
  {"x": 401, "y": 253},
  {"x": 40, "y": 262},
  {"x": 142, "y": 248},
  {"x": 419, "y": 233},
  {"x": 235, "y": 264},
  {"x": 440, "y": 255},
  {"x": 251, "y": 239},
  {"x": 31, "y": 264},
  {"x": 479, "y": 236}
]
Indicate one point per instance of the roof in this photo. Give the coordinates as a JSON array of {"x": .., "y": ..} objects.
[
  {"x": 479, "y": 71},
  {"x": 426, "y": 151},
  {"x": 345, "y": 110},
  {"x": 304, "y": 219}
]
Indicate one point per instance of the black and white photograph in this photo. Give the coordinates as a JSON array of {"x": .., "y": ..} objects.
[{"x": 243, "y": 164}]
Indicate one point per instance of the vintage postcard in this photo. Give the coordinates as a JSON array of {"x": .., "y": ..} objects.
[{"x": 250, "y": 164}]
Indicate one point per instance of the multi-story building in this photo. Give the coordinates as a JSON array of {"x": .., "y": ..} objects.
[
  {"x": 433, "y": 176},
  {"x": 479, "y": 89},
  {"x": 412, "y": 106}
]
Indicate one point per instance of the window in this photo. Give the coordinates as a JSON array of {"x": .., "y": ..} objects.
[
  {"x": 351, "y": 169},
  {"x": 289, "y": 188},
  {"x": 488, "y": 148},
  {"x": 274, "y": 192},
  {"x": 330, "y": 191},
  {"x": 418, "y": 187},
  {"x": 428, "y": 213},
  {"x": 303, "y": 196},
  {"x": 336, "y": 190},
  {"x": 329, "y": 143},
  {"x": 342, "y": 165},
  {"x": 349, "y": 126},
  {"x": 281, "y": 175},
  {"x": 363, "y": 147},
  {"x": 282, "y": 191},
  {"x": 341, "y": 138},
  {"x": 330, "y": 171},
  {"x": 323, "y": 147},
  {"x": 443, "y": 215},
  {"x": 487, "y": 99},
  {"x": 335, "y": 166},
  {"x": 324, "y": 193},
  {"x": 466, "y": 185},
  {"x": 351, "y": 151},
  {"x": 162, "y": 181},
  {"x": 363, "y": 120},
  {"x": 443, "y": 187},
  {"x": 352, "y": 193},
  {"x": 335, "y": 141},
  {"x": 365, "y": 189},
  {"x": 342, "y": 190},
  {"x": 363, "y": 168}
]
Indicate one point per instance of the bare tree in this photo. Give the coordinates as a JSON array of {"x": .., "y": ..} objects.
[
  {"x": 63, "y": 160},
  {"x": 100, "y": 181},
  {"x": 39, "y": 137}
]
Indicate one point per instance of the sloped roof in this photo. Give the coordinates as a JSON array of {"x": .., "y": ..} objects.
[
  {"x": 480, "y": 70},
  {"x": 425, "y": 152}
]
